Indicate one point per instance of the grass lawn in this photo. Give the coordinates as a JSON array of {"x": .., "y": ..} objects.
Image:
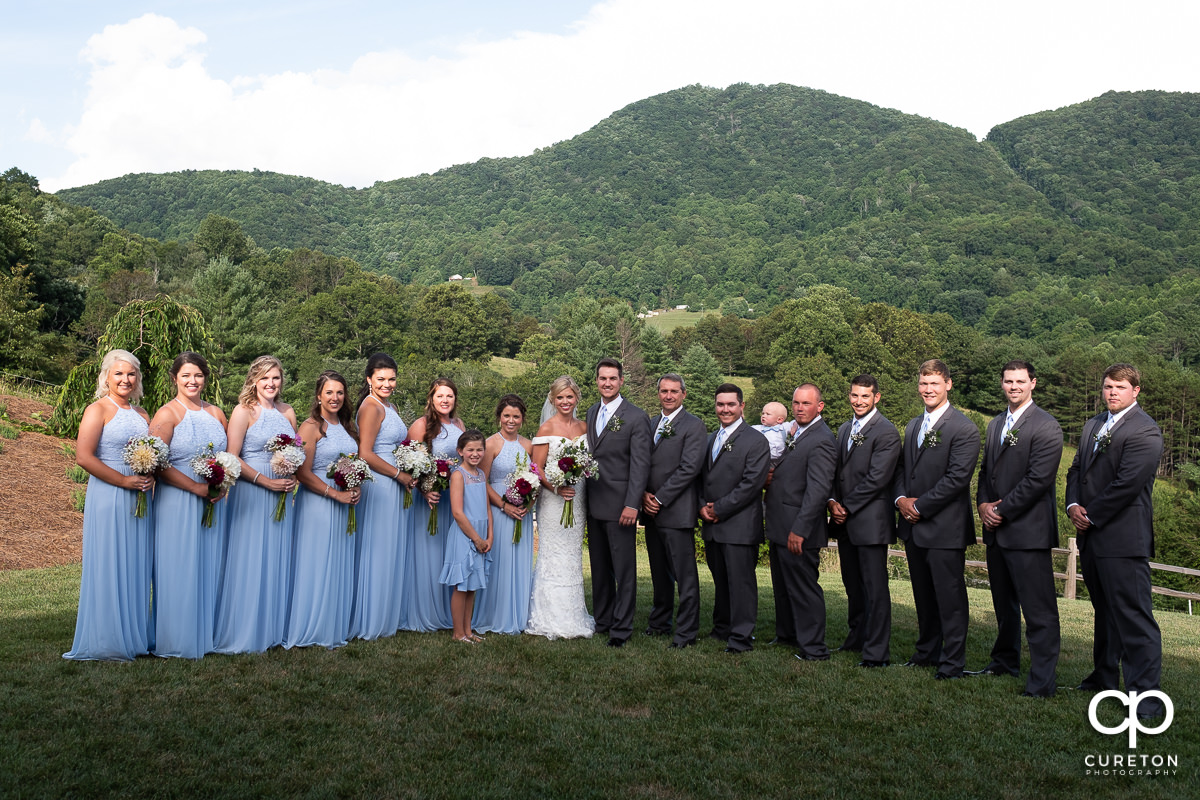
[
  {"x": 509, "y": 367},
  {"x": 418, "y": 715},
  {"x": 668, "y": 321}
]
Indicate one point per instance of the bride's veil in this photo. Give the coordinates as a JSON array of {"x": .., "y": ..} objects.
[{"x": 548, "y": 411}]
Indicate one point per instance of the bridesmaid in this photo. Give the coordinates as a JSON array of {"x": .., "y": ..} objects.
[
  {"x": 503, "y": 607},
  {"x": 323, "y": 553},
  {"x": 187, "y": 556},
  {"x": 382, "y": 543},
  {"x": 114, "y": 620},
  {"x": 428, "y": 601},
  {"x": 252, "y": 606}
]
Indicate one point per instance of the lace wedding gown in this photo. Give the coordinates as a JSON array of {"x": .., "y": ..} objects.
[{"x": 556, "y": 608}]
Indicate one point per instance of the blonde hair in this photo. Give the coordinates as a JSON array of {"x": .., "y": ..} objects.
[
  {"x": 248, "y": 396},
  {"x": 112, "y": 357},
  {"x": 564, "y": 382}
]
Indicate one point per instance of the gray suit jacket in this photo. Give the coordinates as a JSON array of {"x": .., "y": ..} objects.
[
  {"x": 675, "y": 465},
  {"x": 1115, "y": 485},
  {"x": 734, "y": 483},
  {"x": 863, "y": 482},
  {"x": 1022, "y": 476},
  {"x": 799, "y": 492},
  {"x": 623, "y": 452},
  {"x": 939, "y": 479}
]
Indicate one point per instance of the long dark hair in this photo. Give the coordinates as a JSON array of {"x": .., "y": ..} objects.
[
  {"x": 314, "y": 413},
  {"x": 374, "y": 363},
  {"x": 433, "y": 422}
]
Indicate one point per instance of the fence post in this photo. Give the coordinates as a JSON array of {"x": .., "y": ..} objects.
[{"x": 1072, "y": 569}]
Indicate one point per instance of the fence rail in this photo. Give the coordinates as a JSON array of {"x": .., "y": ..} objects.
[{"x": 1072, "y": 577}]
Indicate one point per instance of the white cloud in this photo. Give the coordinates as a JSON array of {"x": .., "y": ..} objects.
[{"x": 154, "y": 107}]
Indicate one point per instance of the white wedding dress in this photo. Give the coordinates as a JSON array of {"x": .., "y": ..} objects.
[{"x": 556, "y": 607}]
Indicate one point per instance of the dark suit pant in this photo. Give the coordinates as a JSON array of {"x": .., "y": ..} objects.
[
  {"x": 735, "y": 607},
  {"x": 1126, "y": 633},
  {"x": 673, "y": 562},
  {"x": 785, "y": 623},
  {"x": 1024, "y": 580},
  {"x": 612, "y": 551},
  {"x": 868, "y": 599},
  {"x": 940, "y": 593},
  {"x": 803, "y": 596}
]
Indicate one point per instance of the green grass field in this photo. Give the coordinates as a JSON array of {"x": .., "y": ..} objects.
[
  {"x": 668, "y": 321},
  {"x": 418, "y": 715}
]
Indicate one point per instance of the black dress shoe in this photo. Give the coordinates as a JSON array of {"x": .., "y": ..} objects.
[
  {"x": 679, "y": 645},
  {"x": 653, "y": 632},
  {"x": 911, "y": 663},
  {"x": 616, "y": 642},
  {"x": 992, "y": 671},
  {"x": 807, "y": 657},
  {"x": 873, "y": 664},
  {"x": 1087, "y": 687},
  {"x": 947, "y": 676}
]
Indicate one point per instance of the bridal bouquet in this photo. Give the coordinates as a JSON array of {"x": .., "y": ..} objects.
[
  {"x": 522, "y": 488},
  {"x": 573, "y": 465},
  {"x": 287, "y": 454},
  {"x": 220, "y": 471},
  {"x": 437, "y": 480},
  {"x": 413, "y": 458},
  {"x": 145, "y": 454},
  {"x": 349, "y": 472}
]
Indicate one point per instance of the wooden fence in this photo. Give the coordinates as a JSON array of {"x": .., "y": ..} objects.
[{"x": 1072, "y": 577}]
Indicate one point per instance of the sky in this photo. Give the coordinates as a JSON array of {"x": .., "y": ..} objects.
[{"x": 359, "y": 91}]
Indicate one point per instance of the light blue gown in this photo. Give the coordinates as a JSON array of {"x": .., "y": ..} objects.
[
  {"x": 322, "y": 557},
  {"x": 381, "y": 546},
  {"x": 114, "y": 621},
  {"x": 503, "y": 607},
  {"x": 428, "y": 606},
  {"x": 187, "y": 556},
  {"x": 465, "y": 568},
  {"x": 253, "y": 602}
]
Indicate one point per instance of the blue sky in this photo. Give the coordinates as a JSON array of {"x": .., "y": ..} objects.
[{"x": 360, "y": 91}]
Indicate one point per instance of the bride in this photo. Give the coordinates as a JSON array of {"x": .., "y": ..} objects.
[{"x": 557, "y": 609}]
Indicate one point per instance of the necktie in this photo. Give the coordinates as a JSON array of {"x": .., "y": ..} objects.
[
  {"x": 924, "y": 430},
  {"x": 717, "y": 444},
  {"x": 853, "y": 433},
  {"x": 1103, "y": 430},
  {"x": 1008, "y": 423},
  {"x": 662, "y": 423},
  {"x": 602, "y": 419}
]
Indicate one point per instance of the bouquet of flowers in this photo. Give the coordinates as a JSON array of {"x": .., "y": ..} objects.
[
  {"x": 413, "y": 458},
  {"x": 220, "y": 471},
  {"x": 144, "y": 455},
  {"x": 573, "y": 465},
  {"x": 287, "y": 454},
  {"x": 349, "y": 472},
  {"x": 437, "y": 480},
  {"x": 522, "y": 488}
]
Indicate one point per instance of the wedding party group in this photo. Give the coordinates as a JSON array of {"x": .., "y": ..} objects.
[{"x": 204, "y": 534}]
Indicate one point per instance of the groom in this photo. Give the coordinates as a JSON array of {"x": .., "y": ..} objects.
[{"x": 618, "y": 435}]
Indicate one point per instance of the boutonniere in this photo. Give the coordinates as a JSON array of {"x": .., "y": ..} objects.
[
  {"x": 859, "y": 438},
  {"x": 614, "y": 424},
  {"x": 1011, "y": 438},
  {"x": 1102, "y": 442},
  {"x": 932, "y": 439},
  {"x": 727, "y": 447},
  {"x": 790, "y": 441},
  {"x": 668, "y": 430}
]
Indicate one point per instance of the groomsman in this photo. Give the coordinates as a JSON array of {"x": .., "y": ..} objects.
[
  {"x": 795, "y": 509},
  {"x": 618, "y": 435},
  {"x": 735, "y": 470},
  {"x": 933, "y": 496},
  {"x": 863, "y": 520},
  {"x": 1021, "y": 453},
  {"x": 669, "y": 513},
  {"x": 1109, "y": 488}
]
